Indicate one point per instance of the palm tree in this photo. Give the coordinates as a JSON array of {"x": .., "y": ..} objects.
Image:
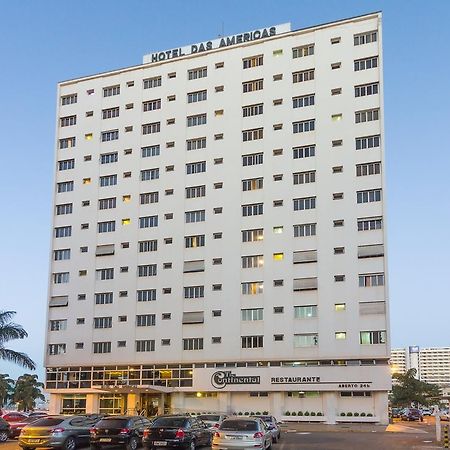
[
  {"x": 8, "y": 332},
  {"x": 6, "y": 389}
]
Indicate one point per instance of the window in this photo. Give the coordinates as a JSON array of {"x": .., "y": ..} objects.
[
  {"x": 195, "y": 144},
  {"x": 147, "y": 270},
  {"x": 339, "y": 278},
  {"x": 195, "y": 167},
  {"x": 106, "y": 227},
  {"x": 252, "y": 159},
  {"x": 255, "y": 209},
  {"x": 252, "y": 314},
  {"x": 339, "y": 307},
  {"x": 370, "y": 223},
  {"x": 302, "y": 101},
  {"x": 111, "y": 90},
  {"x": 337, "y": 143},
  {"x": 61, "y": 255},
  {"x": 218, "y": 210},
  {"x": 152, "y": 150},
  {"x": 101, "y": 347},
  {"x": 365, "y": 169},
  {"x": 193, "y": 344},
  {"x": 63, "y": 209},
  {"x": 108, "y": 180},
  {"x": 57, "y": 325},
  {"x": 146, "y": 345},
  {"x": 148, "y": 246},
  {"x": 198, "y": 96},
  {"x": 369, "y": 196},
  {"x": 252, "y": 287},
  {"x": 250, "y": 262},
  {"x": 305, "y": 312},
  {"x": 66, "y": 164},
  {"x": 111, "y": 135},
  {"x": 306, "y": 340},
  {"x": 252, "y": 135},
  {"x": 107, "y": 203},
  {"x": 194, "y": 216},
  {"x": 151, "y": 105},
  {"x": 252, "y": 110},
  {"x": 304, "y": 177},
  {"x": 278, "y": 77},
  {"x": 371, "y": 279},
  {"x": 252, "y": 61},
  {"x": 105, "y": 274},
  {"x": 304, "y": 203},
  {"x": 252, "y": 184},
  {"x": 67, "y": 143},
  {"x": 366, "y": 89},
  {"x": 103, "y": 298},
  {"x": 107, "y": 158},
  {"x": 302, "y": 51},
  {"x": 336, "y": 65},
  {"x": 303, "y": 75},
  {"x": 110, "y": 113},
  {"x": 367, "y": 142},
  {"x": 303, "y": 126},
  {"x": 372, "y": 337},
  {"x": 254, "y": 235},
  {"x": 195, "y": 191},
  {"x": 102, "y": 322},
  {"x": 365, "y": 38},
  {"x": 252, "y": 341},
  {"x": 63, "y": 231},
  {"x": 368, "y": 115},
  {"x": 149, "y": 174},
  {"x": 200, "y": 72},
  {"x": 68, "y": 121},
  {"x": 56, "y": 349},
  {"x": 146, "y": 295},
  {"x": 194, "y": 291},
  {"x": 254, "y": 85},
  {"x": 152, "y": 82},
  {"x": 194, "y": 241},
  {"x": 61, "y": 277},
  {"x": 145, "y": 320},
  {"x": 151, "y": 128},
  {"x": 340, "y": 335},
  {"x": 307, "y": 151},
  {"x": 68, "y": 99},
  {"x": 338, "y": 195},
  {"x": 148, "y": 197},
  {"x": 336, "y": 91},
  {"x": 366, "y": 63}
]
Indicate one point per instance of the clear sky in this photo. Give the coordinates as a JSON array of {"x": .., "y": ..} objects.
[{"x": 43, "y": 42}]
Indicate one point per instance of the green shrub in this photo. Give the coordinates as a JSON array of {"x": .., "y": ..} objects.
[
  {"x": 370, "y": 415},
  {"x": 313, "y": 413},
  {"x": 257, "y": 413},
  {"x": 294, "y": 413},
  {"x": 342, "y": 414},
  {"x": 300, "y": 413},
  {"x": 363, "y": 414},
  {"x": 246, "y": 413},
  {"x": 265, "y": 413},
  {"x": 349, "y": 414},
  {"x": 306, "y": 413},
  {"x": 356, "y": 414},
  {"x": 320, "y": 413},
  {"x": 240, "y": 413},
  {"x": 287, "y": 413},
  {"x": 252, "y": 413}
]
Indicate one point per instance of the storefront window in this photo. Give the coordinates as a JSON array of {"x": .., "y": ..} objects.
[
  {"x": 112, "y": 404},
  {"x": 73, "y": 404}
]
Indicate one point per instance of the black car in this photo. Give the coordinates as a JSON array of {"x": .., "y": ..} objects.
[
  {"x": 411, "y": 414},
  {"x": 4, "y": 430},
  {"x": 126, "y": 431},
  {"x": 176, "y": 431}
]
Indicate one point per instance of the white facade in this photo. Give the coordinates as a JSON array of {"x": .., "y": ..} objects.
[{"x": 224, "y": 211}]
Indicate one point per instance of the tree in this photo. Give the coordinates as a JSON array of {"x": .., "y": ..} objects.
[
  {"x": 6, "y": 389},
  {"x": 27, "y": 391},
  {"x": 8, "y": 332},
  {"x": 408, "y": 389}
]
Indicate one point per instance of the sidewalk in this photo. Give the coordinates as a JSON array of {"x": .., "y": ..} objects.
[{"x": 338, "y": 428}]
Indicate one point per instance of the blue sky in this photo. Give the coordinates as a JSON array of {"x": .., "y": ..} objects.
[{"x": 42, "y": 43}]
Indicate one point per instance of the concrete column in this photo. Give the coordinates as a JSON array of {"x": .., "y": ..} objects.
[
  {"x": 92, "y": 403},
  {"x": 54, "y": 405},
  {"x": 277, "y": 407},
  {"x": 162, "y": 399},
  {"x": 224, "y": 399},
  {"x": 380, "y": 400},
  {"x": 330, "y": 406},
  {"x": 132, "y": 404},
  {"x": 177, "y": 402}
]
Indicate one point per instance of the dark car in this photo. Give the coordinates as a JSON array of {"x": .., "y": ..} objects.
[
  {"x": 411, "y": 414},
  {"x": 272, "y": 425},
  {"x": 177, "y": 431},
  {"x": 16, "y": 427},
  {"x": 126, "y": 431},
  {"x": 66, "y": 432},
  {"x": 4, "y": 430},
  {"x": 396, "y": 412}
]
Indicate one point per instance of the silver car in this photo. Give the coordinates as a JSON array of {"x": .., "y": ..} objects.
[
  {"x": 242, "y": 433},
  {"x": 273, "y": 426},
  {"x": 212, "y": 421}
]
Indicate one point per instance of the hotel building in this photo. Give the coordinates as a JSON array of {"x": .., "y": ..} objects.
[{"x": 218, "y": 231}]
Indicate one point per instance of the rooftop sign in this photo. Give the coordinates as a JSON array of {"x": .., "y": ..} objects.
[{"x": 221, "y": 42}]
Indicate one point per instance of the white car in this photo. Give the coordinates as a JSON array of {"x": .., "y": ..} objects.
[{"x": 426, "y": 412}]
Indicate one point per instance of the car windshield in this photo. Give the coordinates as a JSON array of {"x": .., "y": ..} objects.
[
  {"x": 176, "y": 422},
  {"x": 211, "y": 417},
  {"x": 239, "y": 425},
  {"x": 112, "y": 423},
  {"x": 48, "y": 422}
]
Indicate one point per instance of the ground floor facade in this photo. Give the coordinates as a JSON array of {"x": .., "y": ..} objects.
[{"x": 330, "y": 392}]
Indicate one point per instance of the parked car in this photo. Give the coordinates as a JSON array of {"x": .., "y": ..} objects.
[
  {"x": 272, "y": 425},
  {"x": 411, "y": 414},
  {"x": 212, "y": 421},
  {"x": 126, "y": 431},
  {"x": 426, "y": 411},
  {"x": 4, "y": 430},
  {"x": 37, "y": 414},
  {"x": 445, "y": 416},
  {"x": 177, "y": 431},
  {"x": 57, "y": 432},
  {"x": 242, "y": 433},
  {"x": 16, "y": 427},
  {"x": 14, "y": 416},
  {"x": 396, "y": 412}
]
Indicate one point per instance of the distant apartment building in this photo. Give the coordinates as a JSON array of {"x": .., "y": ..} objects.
[{"x": 219, "y": 229}]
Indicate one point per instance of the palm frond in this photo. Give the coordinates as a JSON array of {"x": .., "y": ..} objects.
[
  {"x": 11, "y": 331},
  {"x": 17, "y": 358},
  {"x": 6, "y": 316}
]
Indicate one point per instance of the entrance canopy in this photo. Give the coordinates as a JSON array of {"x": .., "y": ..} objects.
[{"x": 138, "y": 389}]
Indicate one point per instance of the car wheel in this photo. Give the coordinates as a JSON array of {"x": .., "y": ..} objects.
[
  {"x": 133, "y": 443},
  {"x": 270, "y": 446},
  {"x": 70, "y": 443},
  {"x": 274, "y": 439},
  {"x": 3, "y": 436}
]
